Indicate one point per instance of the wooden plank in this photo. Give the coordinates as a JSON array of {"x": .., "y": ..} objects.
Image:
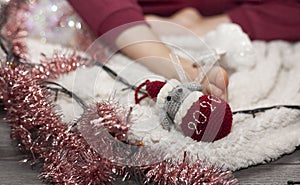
[
  {"x": 8, "y": 149},
  {"x": 293, "y": 158},
  {"x": 269, "y": 174},
  {"x": 14, "y": 173},
  {"x": 11, "y": 170},
  {"x": 277, "y": 172}
]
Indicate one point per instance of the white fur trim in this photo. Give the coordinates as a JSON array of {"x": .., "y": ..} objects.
[
  {"x": 185, "y": 106},
  {"x": 164, "y": 91}
]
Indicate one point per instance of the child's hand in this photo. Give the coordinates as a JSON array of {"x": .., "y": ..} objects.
[{"x": 215, "y": 81}]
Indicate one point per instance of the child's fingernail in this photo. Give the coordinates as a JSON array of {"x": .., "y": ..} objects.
[
  {"x": 222, "y": 96},
  {"x": 219, "y": 92}
]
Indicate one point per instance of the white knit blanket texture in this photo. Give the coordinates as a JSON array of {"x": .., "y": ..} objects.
[{"x": 261, "y": 74}]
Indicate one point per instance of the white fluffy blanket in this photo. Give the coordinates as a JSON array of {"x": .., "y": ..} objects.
[{"x": 262, "y": 74}]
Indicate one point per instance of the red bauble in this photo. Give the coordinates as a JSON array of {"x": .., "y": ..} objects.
[{"x": 208, "y": 119}]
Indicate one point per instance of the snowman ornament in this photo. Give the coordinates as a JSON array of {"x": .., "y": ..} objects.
[
  {"x": 183, "y": 105},
  {"x": 202, "y": 117}
]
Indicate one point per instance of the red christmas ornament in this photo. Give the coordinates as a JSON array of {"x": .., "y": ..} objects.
[
  {"x": 208, "y": 119},
  {"x": 202, "y": 117}
]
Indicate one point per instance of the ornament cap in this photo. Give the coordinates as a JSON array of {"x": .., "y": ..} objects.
[
  {"x": 164, "y": 92},
  {"x": 153, "y": 88}
]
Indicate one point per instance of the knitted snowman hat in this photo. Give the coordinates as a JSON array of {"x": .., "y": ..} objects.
[{"x": 164, "y": 92}]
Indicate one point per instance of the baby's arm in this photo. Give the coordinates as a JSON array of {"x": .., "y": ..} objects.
[{"x": 141, "y": 44}]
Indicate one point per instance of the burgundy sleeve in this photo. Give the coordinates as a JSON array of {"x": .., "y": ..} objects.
[
  {"x": 269, "y": 21},
  {"x": 105, "y": 15}
]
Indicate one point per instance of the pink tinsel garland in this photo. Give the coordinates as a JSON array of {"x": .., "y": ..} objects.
[
  {"x": 65, "y": 155},
  {"x": 15, "y": 30}
]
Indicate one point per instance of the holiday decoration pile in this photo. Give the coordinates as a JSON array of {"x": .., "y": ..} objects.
[
  {"x": 65, "y": 155},
  {"x": 201, "y": 117}
]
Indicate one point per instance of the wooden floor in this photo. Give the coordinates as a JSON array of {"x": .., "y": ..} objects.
[{"x": 14, "y": 173}]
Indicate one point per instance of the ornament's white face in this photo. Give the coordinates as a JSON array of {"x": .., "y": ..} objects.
[{"x": 175, "y": 99}]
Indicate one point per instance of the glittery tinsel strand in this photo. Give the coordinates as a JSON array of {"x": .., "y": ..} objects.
[
  {"x": 14, "y": 28},
  {"x": 65, "y": 155}
]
